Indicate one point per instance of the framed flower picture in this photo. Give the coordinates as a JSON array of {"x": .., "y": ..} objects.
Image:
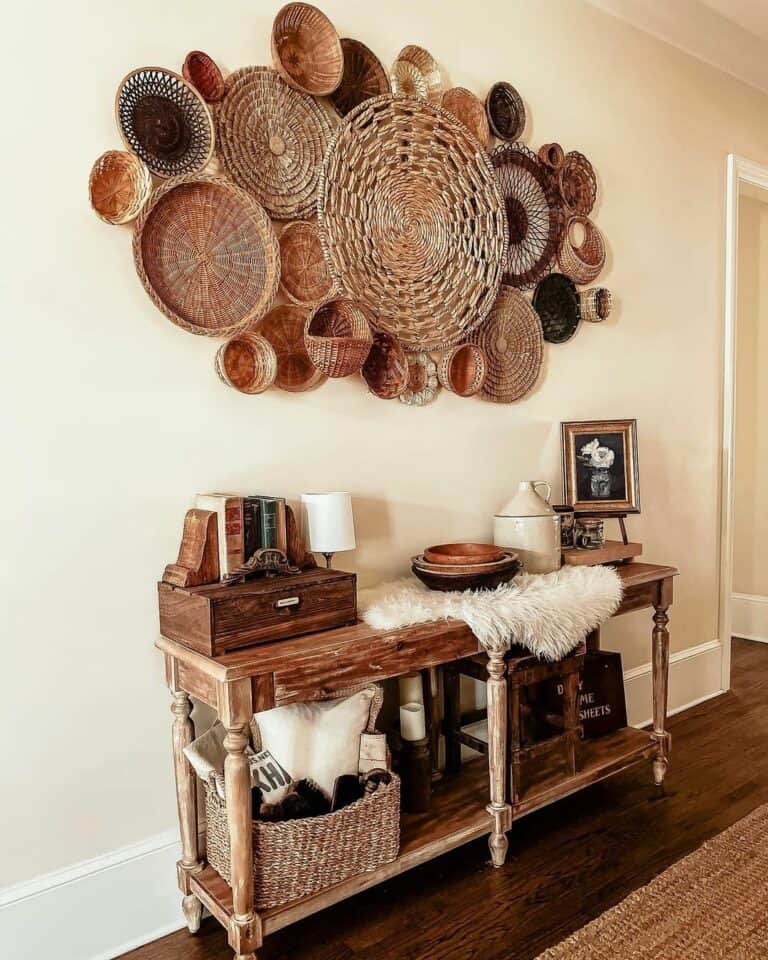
[{"x": 600, "y": 472}]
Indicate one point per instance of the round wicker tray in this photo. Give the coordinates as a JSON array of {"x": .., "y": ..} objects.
[
  {"x": 534, "y": 215},
  {"x": 578, "y": 184},
  {"x": 165, "y": 121},
  {"x": 415, "y": 73},
  {"x": 596, "y": 304},
  {"x": 556, "y": 301},
  {"x": 470, "y": 111},
  {"x": 119, "y": 186},
  {"x": 423, "y": 384},
  {"x": 404, "y": 193},
  {"x": 506, "y": 111},
  {"x": 462, "y": 370},
  {"x": 582, "y": 259},
  {"x": 305, "y": 49},
  {"x": 247, "y": 363},
  {"x": 337, "y": 337},
  {"x": 364, "y": 77},
  {"x": 201, "y": 71},
  {"x": 386, "y": 368},
  {"x": 304, "y": 276},
  {"x": 513, "y": 345},
  {"x": 207, "y": 255},
  {"x": 271, "y": 140},
  {"x": 284, "y": 326}
]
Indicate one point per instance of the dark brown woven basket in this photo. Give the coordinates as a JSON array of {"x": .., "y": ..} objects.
[
  {"x": 506, "y": 111},
  {"x": 297, "y": 858},
  {"x": 578, "y": 184},
  {"x": 364, "y": 77},
  {"x": 552, "y": 155},
  {"x": 306, "y": 51},
  {"x": 338, "y": 337},
  {"x": 201, "y": 71},
  {"x": 386, "y": 368}
]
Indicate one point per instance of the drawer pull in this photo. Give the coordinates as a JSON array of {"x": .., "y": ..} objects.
[{"x": 287, "y": 602}]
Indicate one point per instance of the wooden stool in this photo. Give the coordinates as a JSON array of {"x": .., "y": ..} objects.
[{"x": 523, "y": 670}]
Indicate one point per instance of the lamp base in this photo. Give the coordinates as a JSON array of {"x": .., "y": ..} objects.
[{"x": 328, "y": 557}]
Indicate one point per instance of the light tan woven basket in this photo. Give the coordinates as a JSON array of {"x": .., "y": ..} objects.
[
  {"x": 284, "y": 327},
  {"x": 304, "y": 275},
  {"x": 305, "y": 49},
  {"x": 582, "y": 259},
  {"x": 463, "y": 369},
  {"x": 415, "y": 73},
  {"x": 338, "y": 337},
  {"x": 596, "y": 304},
  {"x": 469, "y": 110},
  {"x": 119, "y": 186},
  {"x": 247, "y": 362},
  {"x": 513, "y": 344}
]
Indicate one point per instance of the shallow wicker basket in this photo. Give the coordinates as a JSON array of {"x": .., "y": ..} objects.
[
  {"x": 297, "y": 858},
  {"x": 506, "y": 111},
  {"x": 578, "y": 184},
  {"x": 201, "y": 71},
  {"x": 364, "y": 77},
  {"x": 552, "y": 155},
  {"x": 513, "y": 345},
  {"x": 306, "y": 50},
  {"x": 582, "y": 260},
  {"x": 423, "y": 384},
  {"x": 386, "y": 368},
  {"x": 338, "y": 337},
  {"x": 415, "y": 73},
  {"x": 304, "y": 275},
  {"x": 596, "y": 304},
  {"x": 119, "y": 186},
  {"x": 463, "y": 369},
  {"x": 247, "y": 363},
  {"x": 284, "y": 326},
  {"x": 470, "y": 111}
]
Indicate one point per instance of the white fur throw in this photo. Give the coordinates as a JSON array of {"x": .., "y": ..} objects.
[{"x": 549, "y": 614}]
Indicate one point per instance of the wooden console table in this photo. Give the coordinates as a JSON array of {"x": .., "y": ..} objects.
[{"x": 318, "y": 666}]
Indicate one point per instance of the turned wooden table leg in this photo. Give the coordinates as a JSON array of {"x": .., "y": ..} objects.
[
  {"x": 660, "y": 687},
  {"x": 186, "y": 798},
  {"x": 498, "y": 808}
]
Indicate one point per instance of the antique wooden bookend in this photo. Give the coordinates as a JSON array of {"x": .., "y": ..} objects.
[{"x": 198, "y": 560}]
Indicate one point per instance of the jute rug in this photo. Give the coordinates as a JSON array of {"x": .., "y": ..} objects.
[{"x": 712, "y": 905}]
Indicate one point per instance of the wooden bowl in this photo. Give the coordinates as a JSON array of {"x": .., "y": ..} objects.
[
  {"x": 306, "y": 49},
  {"x": 458, "y": 569},
  {"x": 477, "y": 581},
  {"x": 453, "y": 554}
]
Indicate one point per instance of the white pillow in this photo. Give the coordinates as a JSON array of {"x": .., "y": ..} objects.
[{"x": 316, "y": 741}]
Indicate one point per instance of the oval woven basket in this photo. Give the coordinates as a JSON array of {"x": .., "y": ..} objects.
[
  {"x": 207, "y": 255},
  {"x": 552, "y": 155},
  {"x": 119, "y": 186},
  {"x": 506, "y": 111},
  {"x": 513, "y": 345},
  {"x": 284, "y": 327},
  {"x": 165, "y": 121},
  {"x": 247, "y": 363},
  {"x": 423, "y": 384},
  {"x": 306, "y": 51},
  {"x": 578, "y": 184},
  {"x": 386, "y": 368},
  {"x": 470, "y": 111},
  {"x": 582, "y": 259},
  {"x": 338, "y": 337},
  {"x": 201, "y": 71},
  {"x": 405, "y": 192},
  {"x": 534, "y": 214},
  {"x": 304, "y": 275},
  {"x": 271, "y": 140},
  {"x": 463, "y": 369},
  {"x": 556, "y": 301},
  {"x": 416, "y": 73},
  {"x": 596, "y": 304},
  {"x": 364, "y": 77}
]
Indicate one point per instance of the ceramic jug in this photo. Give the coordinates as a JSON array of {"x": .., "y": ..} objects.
[{"x": 529, "y": 526}]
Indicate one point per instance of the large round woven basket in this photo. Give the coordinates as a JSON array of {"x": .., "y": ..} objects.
[
  {"x": 470, "y": 111},
  {"x": 415, "y": 73},
  {"x": 271, "y": 140},
  {"x": 412, "y": 221},
  {"x": 207, "y": 255},
  {"x": 364, "y": 77},
  {"x": 119, "y": 186},
  {"x": 578, "y": 184},
  {"x": 534, "y": 214},
  {"x": 284, "y": 327},
  {"x": 305, "y": 49},
  {"x": 386, "y": 368},
  {"x": 247, "y": 362},
  {"x": 513, "y": 345},
  {"x": 165, "y": 121},
  {"x": 304, "y": 275},
  {"x": 582, "y": 259},
  {"x": 338, "y": 337}
]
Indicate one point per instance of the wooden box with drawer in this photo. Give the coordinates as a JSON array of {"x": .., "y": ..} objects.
[{"x": 217, "y": 618}]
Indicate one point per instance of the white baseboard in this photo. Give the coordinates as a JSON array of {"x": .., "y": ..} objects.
[
  {"x": 102, "y": 908},
  {"x": 749, "y": 617}
]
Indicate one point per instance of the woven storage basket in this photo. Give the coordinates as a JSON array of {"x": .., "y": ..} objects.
[
  {"x": 201, "y": 71},
  {"x": 423, "y": 384},
  {"x": 596, "y": 304},
  {"x": 556, "y": 301},
  {"x": 463, "y": 369},
  {"x": 412, "y": 221},
  {"x": 386, "y": 368},
  {"x": 284, "y": 326},
  {"x": 271, "y": 140},
  {"x": 247, "y": 363},
  {"x": 119, "y": 186},
  {"x": 470, "y": 111},
  {"x": 364, "y": 77},
  {"x": 552, "y": 155},
  {"x": 578, "y": 184},
  {"x": 305, "y": 49},
  {"x": 338, "y": 337},
  {"x": 304, "y": 275},
  {"x": 415, "y": 73},
  {"x": 513, "y": 345},
  {"x": 297, "y": 858},
  {"x": 207, "y": 255},
  {"x": 506, "y": 111},
  {"x": 582, "y": 261}
]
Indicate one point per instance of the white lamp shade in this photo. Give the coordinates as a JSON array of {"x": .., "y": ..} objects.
[{"x": 330, "y": 525}]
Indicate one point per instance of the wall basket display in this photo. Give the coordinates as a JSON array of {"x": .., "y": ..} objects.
[{"x": 413, "y": 220}]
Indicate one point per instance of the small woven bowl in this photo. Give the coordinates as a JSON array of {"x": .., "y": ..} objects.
[
  {"x": 306, "y": 50},
  {"x": 462, "y": 370},
  {"x": 304, "y": 275},
  {"x": 247, "y": 362},
  {"x": 596, "y": 304},
  {"x": 119, "y": 186},
  {"x": 552, "y": 155},
  {"x": 416, "y": 73},
  {"x": 201, "y": 71},
  {"x": 506, "y": 111},
  {"x": 385, "y": 370},
  {"x": 338, "y": 337},
  {"x": 470, "y": 111},
  {"x": 582, "y": 260}
]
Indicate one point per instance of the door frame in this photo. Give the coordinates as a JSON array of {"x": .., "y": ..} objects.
[{"x": 740, "y": 171}]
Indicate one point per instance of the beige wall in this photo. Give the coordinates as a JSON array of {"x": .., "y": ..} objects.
[
  {"x": 114, "y": 417},
  {"x": 750, "y": 521}
]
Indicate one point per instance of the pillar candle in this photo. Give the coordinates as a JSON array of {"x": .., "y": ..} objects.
[
  {"x": 411, "y": 689},
  {"x": 412, "y": 726}
]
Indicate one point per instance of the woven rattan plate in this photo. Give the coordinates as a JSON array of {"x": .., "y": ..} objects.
[
  {"x": 466, "y": 107},
  {"x": 412, "y": 222},
  {"x": 271, "y": 140},
  {"x": 513, "y": 346},
  {"x": 415, "y": 73},
  {"x": 207, "y": 255},
  {"x": 165, "y": 121},
  {"x": 556, "y": 301},
  {"x": 304, "y": 276},
  {"x": 284, "y": 328},
  {"x": 364, "y": 77}
]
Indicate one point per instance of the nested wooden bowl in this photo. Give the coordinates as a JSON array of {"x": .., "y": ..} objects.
[
  {"x": 596, "y": 304},
  {"x": 461, "y": 554},
  {"x": 338, "y": 337},
  {"x": 119, "y": 186},
  {"x": 304, "y": 275},
  {"x": 247, "y": 363},
  {"x": 416, "y": 73},
  {"x": 480, "y": 580},
  {"x": 386, "y": 368},
  {"x": 306, "y": 50},
  {"x": 582, "y": 258},
  {"x": 552, "y": 155},
  {"x": 506, "y": 111},
  {"x": 202, "y": 72},
  {"x": 284, "y": 326},
  {"x": 462, "y": 370},
  {"x": 364, "y": 77},
  {"x": 470, "y": 111}
]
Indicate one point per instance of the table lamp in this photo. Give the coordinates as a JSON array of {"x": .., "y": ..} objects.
[{"x": 329, "y": 523}]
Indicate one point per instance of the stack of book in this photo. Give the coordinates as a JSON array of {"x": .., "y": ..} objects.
[{"x": 245, "y": 525}]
